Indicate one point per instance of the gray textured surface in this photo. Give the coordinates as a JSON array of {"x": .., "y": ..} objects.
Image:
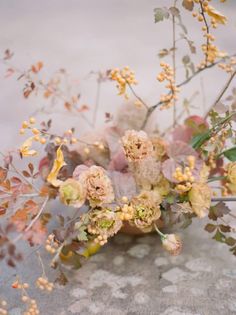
[{"x": 134, "y": 276}]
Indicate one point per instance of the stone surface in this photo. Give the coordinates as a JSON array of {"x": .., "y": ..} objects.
[{"x": 134, "y": 276}]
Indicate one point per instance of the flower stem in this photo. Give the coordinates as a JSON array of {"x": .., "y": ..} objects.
[
  {"x": 215, "y": 178},
  {"x": 163, "y": 236}
]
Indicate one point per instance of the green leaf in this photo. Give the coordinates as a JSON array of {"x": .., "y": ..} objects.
[
  {"x": 210, "y": 227},
  {"x": 230, "y": 154},
  {"x": 160, "y": 14},
  {"x": 219, "y": 237},
  {"x": 198, "y": 140},
  {"x": 82, "y": 234}
]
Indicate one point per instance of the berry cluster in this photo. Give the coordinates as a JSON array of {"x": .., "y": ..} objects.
[
  {"x": 43, "y": 284},
  {"x": 127, "y": 213},
  {"x": 167, "y": 74},
  {"x": 185, "y": 176},
  {"x": 32, "y": 307},
  {"x": 123, "y": 77},
  {"x": 228, "y": 66},
  {"x": 51, "y": 245}
]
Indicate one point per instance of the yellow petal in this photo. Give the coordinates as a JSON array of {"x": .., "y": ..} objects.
[
  {"x": 57, "y": 165},
  {"x": 25, "y": 148},
  {"x": 220, "y": 18}
]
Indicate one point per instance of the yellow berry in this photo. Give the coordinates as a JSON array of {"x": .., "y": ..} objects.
[
  {"x": 22, "y": 131},
  {"x": 32, "y": 120},
  {"x": 25, "y": 124},
  {"x": 35, "y": 131},
  {"x": 43, "y": 140}
]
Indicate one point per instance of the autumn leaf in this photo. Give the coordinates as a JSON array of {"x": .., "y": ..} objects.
[
  {"x": 57, "y": 165},
  {"x": 25, "y": 149},
  {"x": 188, "y": 5},
  {"x": 3, "y": 174},
  {"x": 216, "y": 15},
  {"x": 36, "y": 68}
]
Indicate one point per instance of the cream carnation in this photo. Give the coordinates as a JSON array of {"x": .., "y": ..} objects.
[
  {"x": 136, "y": 145},
  {"x": 172, "y": 243},
  {"x": 98, "y": 185},
  {"x": 72, "y": 193},
  {"x": 146, "y": 207}
]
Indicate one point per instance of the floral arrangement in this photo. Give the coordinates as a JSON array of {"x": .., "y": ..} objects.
[{"x": 126, "y": 177}]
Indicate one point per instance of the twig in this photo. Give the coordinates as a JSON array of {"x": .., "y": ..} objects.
[
  {"x": 9, "y": 195},
  {"x": 207, "y": 32},
  {"x": 224, "y": 199},
  {"x": 32, "y": 222},
  {"x": 97, "y": 101},
  {"x": 56, "y": 92},
  {"x": 21, "y": 175},
  {"x": 174, "y": 64},
  {"x": 138, "y": 97},
  {"x": 41, "y": 263},
  {"x": 152, "y": 108},
  {"x": 221, "y": 94}
]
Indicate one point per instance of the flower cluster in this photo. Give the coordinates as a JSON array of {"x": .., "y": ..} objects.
[{"x": 128, "y": 176}]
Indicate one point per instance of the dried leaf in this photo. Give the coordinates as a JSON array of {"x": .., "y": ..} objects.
[
  {"x": 216, "y": 15},
  {"x": 210, "y": 227},
  {"x": 57, "y": 165},
  {"x": 188, "y": 5},
  {"x": 3, "y": 174},
  {"x": 25, "y": 150}
]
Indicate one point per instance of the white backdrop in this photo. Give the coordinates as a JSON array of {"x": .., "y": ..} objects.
[{"x": 96, "y": 35}]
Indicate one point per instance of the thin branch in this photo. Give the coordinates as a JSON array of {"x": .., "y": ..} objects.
[
  {"x": 221, "y": 94},
  {"x": 224, "y": 199},
  {"x": 207, "y": 32},
  {"x": 41, "y": 263},
  {"x": 97, "y": 101},
  {"x": 21, "y": 175},
  {"x": 138, "y": 97},
  {"x": 174, "y": 63},
  {"x": 152, "y": 108},
  {"x": 56, "y": 92}
]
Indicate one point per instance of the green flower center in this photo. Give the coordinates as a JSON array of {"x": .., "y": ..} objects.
[{"x": 105, "y": 224}]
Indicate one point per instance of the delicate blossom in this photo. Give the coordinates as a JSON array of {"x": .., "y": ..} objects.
[
  {"x": 98, "y": 185},
  {"x": 137, "y": 145},
  {"x": 72, "y": 193},
  {"x": 172, "y": 243},
  {"x": 146, "y": 209},
  {"x": 200, "y": 199},
  {"x": 104, "y": 223}
]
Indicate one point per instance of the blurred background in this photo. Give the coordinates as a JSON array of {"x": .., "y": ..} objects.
[{"x": 84, "y": 36}]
